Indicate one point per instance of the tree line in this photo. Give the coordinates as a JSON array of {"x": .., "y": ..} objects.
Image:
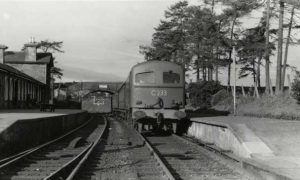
[{"x": 206, "y": 37}]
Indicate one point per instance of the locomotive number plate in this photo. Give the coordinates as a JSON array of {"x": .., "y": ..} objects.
[
  {"x": 159, "y": 92},
  {"x": 98, "y": 101}
]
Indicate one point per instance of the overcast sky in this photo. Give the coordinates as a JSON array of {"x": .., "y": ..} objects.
[{"x": 101, "y": 38}]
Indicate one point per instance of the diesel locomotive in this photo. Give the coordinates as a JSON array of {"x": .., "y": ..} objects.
[{"x": 153, "y": 96}]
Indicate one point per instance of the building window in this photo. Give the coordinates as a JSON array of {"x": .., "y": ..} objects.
[
  {"x": 6, "y": 84},
  {"x": 11, "y": 88}
]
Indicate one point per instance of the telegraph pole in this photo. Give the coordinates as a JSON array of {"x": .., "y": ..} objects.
[
  {"x": 279, "y": 54},
  {"x": 234, "y": 80}
]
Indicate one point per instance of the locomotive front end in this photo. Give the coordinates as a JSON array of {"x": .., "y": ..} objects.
[{"x": 158, "y": 95}]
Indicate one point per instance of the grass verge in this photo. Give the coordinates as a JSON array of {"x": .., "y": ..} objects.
[{"x": 278, "y": 107}]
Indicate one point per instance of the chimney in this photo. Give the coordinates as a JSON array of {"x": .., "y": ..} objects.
[
  {"x": 2, "y": 55},
  {"x": 30, "y": 50}
]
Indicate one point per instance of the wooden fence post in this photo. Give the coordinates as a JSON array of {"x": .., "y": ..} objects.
[
  {"x": 289, "y": 83},
  {"x": 271, "y": 88},
  {"x": 256, "y": 90}
]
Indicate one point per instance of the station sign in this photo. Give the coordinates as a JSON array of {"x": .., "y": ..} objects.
[
  {"x": 295, "y": 3},
  {"x": 103, "y": 86}
]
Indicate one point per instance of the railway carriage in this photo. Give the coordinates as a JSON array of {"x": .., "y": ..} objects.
[
  {"x": 153, "y": 95},
  {"x": 98, "y": 101}
]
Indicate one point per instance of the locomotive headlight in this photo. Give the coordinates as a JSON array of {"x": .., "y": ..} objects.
[
  {"x": 180, "y": 114},
  {"x": 139, "y": 114}
]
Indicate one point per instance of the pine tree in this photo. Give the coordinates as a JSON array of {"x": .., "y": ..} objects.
[
  {"x": 251, "y": 50},
  {"x": 236, "y": 9},
  {"x": 169, "y": 39}
]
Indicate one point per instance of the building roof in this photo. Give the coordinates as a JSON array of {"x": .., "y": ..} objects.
[
  {"x": 92, "y": 86},
  {"x": 100, "y": 90},
  {"x": 19, "y": 57},
  {"x": 12, "y": 70}
]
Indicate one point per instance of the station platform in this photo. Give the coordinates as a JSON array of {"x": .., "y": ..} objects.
[
  {"x": 268, "y": 147},
  {"x": 24, "y": 129},
  {"x": 8, "y": 117}
]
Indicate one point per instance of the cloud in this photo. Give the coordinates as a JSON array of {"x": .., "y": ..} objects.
[
  {"x": 74, "y": 73},
  {"x": 6, "y": 16}
]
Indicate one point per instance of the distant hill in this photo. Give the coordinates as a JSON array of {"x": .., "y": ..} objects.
[
  {"x": 79, "y": 74},
  {"x": 76, "y": 90}
]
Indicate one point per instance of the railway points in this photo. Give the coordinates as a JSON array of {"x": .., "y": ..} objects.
[
  {"x": 55, "y": 159},
  {"x": 23, "y": 129}
]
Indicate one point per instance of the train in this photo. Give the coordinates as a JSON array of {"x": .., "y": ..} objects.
[
  {"x": 98, "y": 101},
  {"x": 153, "y": 96}
]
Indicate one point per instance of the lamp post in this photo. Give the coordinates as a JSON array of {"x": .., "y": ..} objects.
[{"x": 51, "y": 86}]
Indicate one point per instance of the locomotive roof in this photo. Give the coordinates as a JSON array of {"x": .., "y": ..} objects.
[
  {"x": 146, "y": 62},
  {"x": 100, "y": 90},
  {"x": 153, "y": 61}
]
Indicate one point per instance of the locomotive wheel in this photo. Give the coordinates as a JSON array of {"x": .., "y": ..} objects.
[
  {"x": 151, "y": 127},
  {"x": 155, "y": 127},
  {"x": 165, "y": 127},
  {"x": 147, "y": 127},
  {"x": 174, "y": 127}
]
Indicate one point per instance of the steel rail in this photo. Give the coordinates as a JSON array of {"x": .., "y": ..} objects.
[
  {"x": 5, "y": 160},
  {"x": 60, "y": 172},
  {"x": 12, "y": 159},
  {"x": 88, "y": 153},
  {"x": 206, "y": 146},
  {"x": 157, "y": 156}
]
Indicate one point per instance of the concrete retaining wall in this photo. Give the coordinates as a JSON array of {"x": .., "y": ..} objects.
[
  {"x": 225, "y": 138},
  {"x": 220, "y": 136},
  {"x": 25, "y": 134}
]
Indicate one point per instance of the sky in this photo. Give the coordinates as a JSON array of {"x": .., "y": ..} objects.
[{"x": 101, "y": 38}]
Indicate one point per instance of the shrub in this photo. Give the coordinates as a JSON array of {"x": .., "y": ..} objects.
[
  {"x": 219, "y": 96},
  {"x": 296, "y": 89},
  {"x": 201, "y": 92}
]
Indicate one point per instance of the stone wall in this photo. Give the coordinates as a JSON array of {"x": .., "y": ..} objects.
[{"x": 25, "y": 134}]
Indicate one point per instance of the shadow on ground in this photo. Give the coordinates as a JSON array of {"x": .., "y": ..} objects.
[{"x": 186, "y": 123}]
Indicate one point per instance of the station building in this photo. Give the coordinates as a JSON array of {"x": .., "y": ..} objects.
[{"x": 25, "y": 77}]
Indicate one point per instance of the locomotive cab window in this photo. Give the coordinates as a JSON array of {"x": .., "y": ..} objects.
[
  {"x": 171, "y": 77},
  {"x": 145, "y": 78}
]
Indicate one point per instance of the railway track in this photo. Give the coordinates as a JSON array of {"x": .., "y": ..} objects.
[
  {"x": 57, "y": 158},
  {"x": 187, "y": 160},
  {"x": 111, "y": 150},
  {"x": 122, "y": 154}
]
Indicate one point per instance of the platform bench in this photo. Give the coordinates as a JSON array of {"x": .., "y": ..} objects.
[{"x": 44, "y": 107}]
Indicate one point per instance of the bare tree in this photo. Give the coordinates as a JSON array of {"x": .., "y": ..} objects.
[{"x": 279, "y": 53}]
